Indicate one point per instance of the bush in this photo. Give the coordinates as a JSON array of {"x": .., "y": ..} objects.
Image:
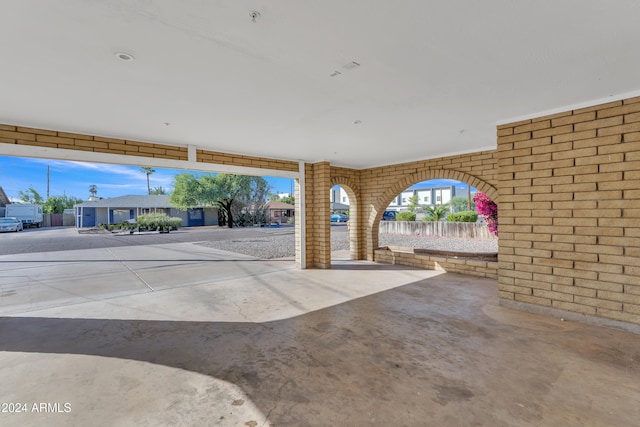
[
  {"x": 158, "y": 221},
  {"x": 488, "y": 208},
  {"x": 406, "y": 216},
  {"x": 464, "y": 216}
]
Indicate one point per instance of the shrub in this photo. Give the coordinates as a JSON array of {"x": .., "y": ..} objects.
[
  {"x": 158, "y": 221},
  {"x": 406, "y": 216},
  {"x": 463, "y": 216},
  {"x": 488, "y": 208}
]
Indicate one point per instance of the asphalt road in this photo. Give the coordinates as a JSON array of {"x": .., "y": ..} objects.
[{"x": 68, "y": 238}]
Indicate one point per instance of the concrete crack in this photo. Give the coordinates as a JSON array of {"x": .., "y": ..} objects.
[{"x": 135, "y": 273}]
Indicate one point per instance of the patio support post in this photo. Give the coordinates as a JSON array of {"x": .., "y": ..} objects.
[{"x": 302, "y": 216}]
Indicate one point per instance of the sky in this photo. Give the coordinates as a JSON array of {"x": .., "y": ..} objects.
[{"x": 73, "y": 178}]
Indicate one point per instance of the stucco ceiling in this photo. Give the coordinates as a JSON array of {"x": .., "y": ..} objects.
[{"x": 357, "y": 83}]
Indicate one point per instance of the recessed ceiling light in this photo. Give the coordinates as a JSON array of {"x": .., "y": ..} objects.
[
  {"x": 254, "y": 15},
  {"x": 124, "y": 56}
]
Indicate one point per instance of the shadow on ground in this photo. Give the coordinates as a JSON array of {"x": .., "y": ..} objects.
[{"x": 434, "y": 352}]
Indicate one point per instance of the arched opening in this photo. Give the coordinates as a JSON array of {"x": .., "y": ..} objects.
[
  {"x": 437, "y": 215},
  {"x": 392, "y": 196},
  {"x": 345, "y": 211}
]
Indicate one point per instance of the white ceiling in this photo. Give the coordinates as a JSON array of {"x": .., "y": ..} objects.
[{"x": 434, "y": 76}]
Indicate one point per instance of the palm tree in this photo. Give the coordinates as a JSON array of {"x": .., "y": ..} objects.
[
  {"x": 148, "y": 170},
  {"x": 93, "y": 189},
  {"x": 436, "y": 213}
]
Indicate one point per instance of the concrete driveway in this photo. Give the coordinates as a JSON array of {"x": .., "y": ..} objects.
[{"x": 184, "y": 334}]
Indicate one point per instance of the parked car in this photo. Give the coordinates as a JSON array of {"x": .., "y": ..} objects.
[
  {"x": 339, "y": 218},
  {"x": 389, "y": 215},
  {"x": 10, "y": 224}
]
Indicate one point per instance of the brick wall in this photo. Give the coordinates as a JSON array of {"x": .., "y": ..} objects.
[
  {"x": 569, "y": 211},
  {"x": 72, "y": 141},
  {"x": 218, "y": 158},
  {"x": 378, "y": 186}
]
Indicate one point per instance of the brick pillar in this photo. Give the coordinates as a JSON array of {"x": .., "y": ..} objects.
[{"x": 318, "y": 210}]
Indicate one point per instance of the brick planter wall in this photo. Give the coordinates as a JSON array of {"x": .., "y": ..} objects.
[{"x": 473, "y": 266}]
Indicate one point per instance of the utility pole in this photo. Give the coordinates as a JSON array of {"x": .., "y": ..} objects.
[{"x": 48, "y": 179}]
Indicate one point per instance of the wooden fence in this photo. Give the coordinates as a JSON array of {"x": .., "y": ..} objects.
[
  {"x": 444, "y": 229},
  {"x": 58, "y": 220}
]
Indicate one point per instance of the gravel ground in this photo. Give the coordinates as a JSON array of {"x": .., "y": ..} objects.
[{"x": 283, "y": 245}]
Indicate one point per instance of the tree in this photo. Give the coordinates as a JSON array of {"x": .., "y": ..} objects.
[
  {"x": 290, "y": 200},
  {"x": 93, "y": 190},
  {"x": 57, "y": 204},
  {"x": 460, "y": 203},
  {"x": 233, "y": 194},
  {"x": 413, "y": 203},
  {"x": 158, "y": 190},
  {"x": 30, "y": 196},
  {"x": 436, "y": 213},
  {"x": 147, "y": 170}
]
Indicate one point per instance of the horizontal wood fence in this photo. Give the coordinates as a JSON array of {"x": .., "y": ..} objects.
[{"x": 469, "y": 230}]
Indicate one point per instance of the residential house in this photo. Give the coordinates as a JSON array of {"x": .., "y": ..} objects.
[
  {"x": 278, "y": 212},
  {"x": 4, "y": 201},
  {"x": 126, "y": 208}
]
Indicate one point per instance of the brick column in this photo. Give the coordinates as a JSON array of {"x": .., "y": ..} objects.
[{"x": 318, "y": 231}]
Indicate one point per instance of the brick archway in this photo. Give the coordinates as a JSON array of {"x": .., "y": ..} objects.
[
  {"x": 383, "y": 200},
  {"x": 355, "y": 229}
]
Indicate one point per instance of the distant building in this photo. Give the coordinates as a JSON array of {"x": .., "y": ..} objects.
[
  {"x": 339, "y": 201},
  {"x": 278, "y": 212},
  {"x": 427, "y": 196}
]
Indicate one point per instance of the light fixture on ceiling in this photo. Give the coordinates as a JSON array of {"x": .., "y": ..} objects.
[
  {"x": 351, "y": 65},
  {"x": 254, "y": 15},
  {"x": 124, "y": 56}
]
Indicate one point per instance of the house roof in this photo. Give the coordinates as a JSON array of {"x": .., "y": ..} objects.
[
  {"x": 131, "y": 201},
  {"x": 4, "y": 200},
  {"x": 274, "y": 204},
  {"x": 355, "y": 83}
]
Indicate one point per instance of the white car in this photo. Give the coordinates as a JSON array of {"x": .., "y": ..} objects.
[{"x": 10, "y": 224}]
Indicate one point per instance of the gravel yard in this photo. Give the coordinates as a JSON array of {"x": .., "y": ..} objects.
[{"x": 282, "y": 245}]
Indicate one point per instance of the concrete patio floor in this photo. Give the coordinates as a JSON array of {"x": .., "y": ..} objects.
[{"x": 184, "y": 334}]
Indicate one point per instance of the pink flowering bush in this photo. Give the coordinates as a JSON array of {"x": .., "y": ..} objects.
[{"x": 487, "y": 208}]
